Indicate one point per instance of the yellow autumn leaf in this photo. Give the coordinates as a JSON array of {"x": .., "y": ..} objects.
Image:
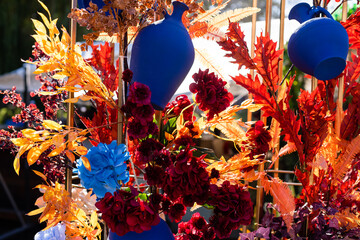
[
  {"x": 59, "y": 76},
  {"x": 57, "y": 151},
  {"x": 28, "y": 133},
  {"x": 86, "y": 163},
  {"x": 36, "y": 211},
  {"x": 93, "y": 219},
  {"x": 72, "y": 145},
  {"x": 19, "y": 141},
  {"x": 33, "y": 155},
  {"x": 39, "y": 26},
  {"x": 58, "y": 140},
  {"x": 16, "y": 165},
  {"x": 46, "y": 9},
  {"x": 40, "y": 175},
  {"x": 48, "y": 93},
  {"x": 72, "y": 100},
  {"x": 45, "y": 20},
  {"x": 49, "y": 124}
]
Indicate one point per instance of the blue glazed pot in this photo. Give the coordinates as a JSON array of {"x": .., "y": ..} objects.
[
  {"x": 162, "y": 55},
  {"x": 85, "y": 3},
  {"x": 158, "y": 232},
  {"x": 319, "y": 47}
]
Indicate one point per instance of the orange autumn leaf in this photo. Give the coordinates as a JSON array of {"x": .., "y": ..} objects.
[
  {"x": 70, "y": 155},
  {"x": 81, "y": 150},
  {"x": 86, "y": 163}
]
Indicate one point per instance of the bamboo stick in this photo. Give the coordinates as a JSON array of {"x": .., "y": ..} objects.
[
  {"x": 281, "y": 46},
  {"x": 260, "y": 190},
  {"x": 70, "y": 116},
  {"x": 252, "y": 52},
  {"x": 340, "y": 99},
  {"x": 120, "y": 134}
]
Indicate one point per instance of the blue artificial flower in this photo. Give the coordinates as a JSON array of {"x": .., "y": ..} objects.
[
  {"x": 56, "y": 232},
  {"x": 108, "y": 167}
]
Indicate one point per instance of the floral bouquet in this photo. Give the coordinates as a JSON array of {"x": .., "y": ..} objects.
[{"x": 161, "y": 170}]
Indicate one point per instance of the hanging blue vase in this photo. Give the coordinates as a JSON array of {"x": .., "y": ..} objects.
[
  {"x": 158, "y": 232},
  {"x": 85, "y": 3},
  {"x": 319, "y": 47},
  {"x": 162, "y": 55}
]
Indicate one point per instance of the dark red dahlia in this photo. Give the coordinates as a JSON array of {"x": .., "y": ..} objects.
[
  {"x": 127, "y": 75},
  {"x": 181, "y": 102},
  {"x": 233, "y": 207},
  {"x": 147, "y": 149},
  {"x": 177, "y": 211},
  {"x": 136, "y": 130},
  {"x": 143, "y": 113},
  {"x": 211, "y": 94},
  {"x": 125, "y": 212},
  {"x": 188, "y": 178},
  {"x": 139, "y": 93},
  {"x": 258, "y": 139}
]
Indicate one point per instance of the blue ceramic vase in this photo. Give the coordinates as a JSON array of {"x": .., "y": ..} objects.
[
  {"x": 162, "y": 55},
  {"x": 85, "y": 3},
  {"x": 319, "y": 47},
  {"x": 158, "y": 232}
]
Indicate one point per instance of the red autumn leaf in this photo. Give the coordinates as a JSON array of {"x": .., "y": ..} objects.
[
  {"x": 314, "y": 119},
  {"x": 102, "y": 61},
  {"x": 352, "y": 26},
  {"x": 106, "y": 118},
  {"x": 267, "y": 60},
  {"x": 235, "y": 43},
  {"x": 350, "y": 125}
]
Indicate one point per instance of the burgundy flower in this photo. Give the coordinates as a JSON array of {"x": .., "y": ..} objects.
[
  {"x": 139, "y": 93},
  {"x": 124, "y": 212},
  {"x": 136, "y": 130},
  {"x": 183, "y": 140},
  {"x": 187, "y": 177},
  {"x": 152, "y": 128},
  {"x": 180, "y": 103},
  {"x": 233, "y": 207},
  {"x": 196, "y": 228},
  {"x": 154, "y": 175},
  {"x": 127, "y": 75},
  {"x": 258, "y": 139},
  {"x": 198, "y": 221},
  {"x": 147, "y": 149},
  {"x": 143, "y": 113},
  {"x": 214, "y": 173},
  {"x": 210, "y": 93},
  {"x": 177, "y": 211}
]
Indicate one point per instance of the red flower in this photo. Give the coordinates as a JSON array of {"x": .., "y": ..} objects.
[
  {"x": 180, "y": 103},
  {"x": 143, "y": 113},
  {"x": 124, "y": 212},
  {"x": 177, "y": 211},
  {"x": 210, "y": 93},
  {"x": 258, "y": 139},
  {"x": 136, "y": 130},
  {"x": 233, "y": 207},
  {"x": 147, "y": 149},
  {"x": 139, "y": 93},
  {"x": 187, "y": 178},
  {"x": 127, "y": 75}
]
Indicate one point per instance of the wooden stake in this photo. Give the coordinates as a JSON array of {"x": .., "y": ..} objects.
[
  {"x": 259, "y": 189},
  {"x": 252, "y": 51},
  {"x": 70, "y": 116},
  {"x": 340, "y": 99}
]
